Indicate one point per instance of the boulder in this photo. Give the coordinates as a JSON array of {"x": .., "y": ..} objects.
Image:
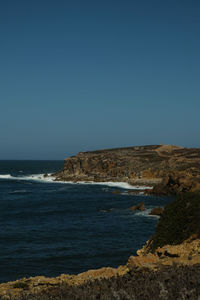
[
  {"x": 157, "y": 211},
  {"x": 139, "y": 206}
]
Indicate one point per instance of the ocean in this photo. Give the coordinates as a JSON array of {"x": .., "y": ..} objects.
[{"x": 49, "y": 228}]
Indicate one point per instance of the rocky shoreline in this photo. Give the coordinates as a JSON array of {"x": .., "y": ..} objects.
[
  {"x": 168, "y": 282},
  {"x": 168, "y": 266}
]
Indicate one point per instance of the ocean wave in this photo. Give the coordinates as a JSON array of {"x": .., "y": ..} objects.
[
  {"x": 142, "y": 191},
  {"x": 146, "y": 213},
  {"x": 6, "y": 176},
  {"x": 51, "y": 179},
  {"x": 32, "y": 177},
  {"x": 122, "y": 185}
]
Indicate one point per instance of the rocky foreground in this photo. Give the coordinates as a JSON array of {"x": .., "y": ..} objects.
[
  {"x": 169, "y": 169},
  {"x": 167, "y": 267}
]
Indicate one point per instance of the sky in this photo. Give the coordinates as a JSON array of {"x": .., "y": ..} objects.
[{"x": 85, "y": 75}]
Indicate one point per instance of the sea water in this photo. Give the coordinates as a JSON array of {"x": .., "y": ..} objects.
[{"x": 49, "y": 228}]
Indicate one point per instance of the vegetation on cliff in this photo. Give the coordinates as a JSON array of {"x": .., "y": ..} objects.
[{"x": 179, "y": 221}]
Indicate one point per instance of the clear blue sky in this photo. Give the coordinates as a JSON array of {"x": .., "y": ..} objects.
[{"x": 83, "y": 75}]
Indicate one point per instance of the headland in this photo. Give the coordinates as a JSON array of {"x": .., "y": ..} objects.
[{"x": 168, "y": 169}]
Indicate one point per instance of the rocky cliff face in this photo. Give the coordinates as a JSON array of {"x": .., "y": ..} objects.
[{"x": 136, "y": 165}]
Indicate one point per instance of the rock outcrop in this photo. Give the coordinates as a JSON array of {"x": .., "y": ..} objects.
[
  {"x": 172, "y": 270},
  {"x": 176, "y": 183},
  {"x": 133, "y": 282},
  {"x": 139, "y": 206},
  {"x": 170, "y": 169}
]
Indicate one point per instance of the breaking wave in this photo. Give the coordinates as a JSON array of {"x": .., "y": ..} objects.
[
  {"x": 51, "y": 179},
  {"x": 33, "y": 177},
  {"x": 146, "y": 213}
]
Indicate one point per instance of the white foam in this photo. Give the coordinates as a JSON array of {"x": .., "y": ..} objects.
[
  {"x": 34, "y": 177},
  {"x": 122, "y": 185},
  {"x": 50, "y": 178},
  {"x": 5, "y": 176},
  {"x": 146, "y": 213}
]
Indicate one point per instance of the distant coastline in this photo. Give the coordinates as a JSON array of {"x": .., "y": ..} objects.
[{"x": 168, "y": 169}]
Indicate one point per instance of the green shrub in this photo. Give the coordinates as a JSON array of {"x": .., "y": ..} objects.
[{"x": 179, "y": 221}]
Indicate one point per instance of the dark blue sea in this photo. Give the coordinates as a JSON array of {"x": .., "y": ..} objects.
[{"x": 49, "y": 228}]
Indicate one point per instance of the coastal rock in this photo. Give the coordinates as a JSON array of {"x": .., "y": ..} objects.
[
  {"x": 176, "y": 183},
  {"x": 139, "y": 206},
  {"x": 156, "y": 211},
  {"x": 133, "y": 282},
  {"x": 188, "y": 249},
  {"x": 185, "y": 253},
  {"x": 169, "y": 169}
]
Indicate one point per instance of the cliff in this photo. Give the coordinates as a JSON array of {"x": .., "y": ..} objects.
[{"x": 158, "y": 165}]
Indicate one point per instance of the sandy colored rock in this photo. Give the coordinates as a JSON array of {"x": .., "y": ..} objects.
[
  {"x": 184, "y": 258},
  {"x": 186, "y": 253},
  {"x": 171, "y": 169}
]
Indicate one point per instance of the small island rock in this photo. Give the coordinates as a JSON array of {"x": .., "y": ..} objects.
[{"x": 139, "y": 206}]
